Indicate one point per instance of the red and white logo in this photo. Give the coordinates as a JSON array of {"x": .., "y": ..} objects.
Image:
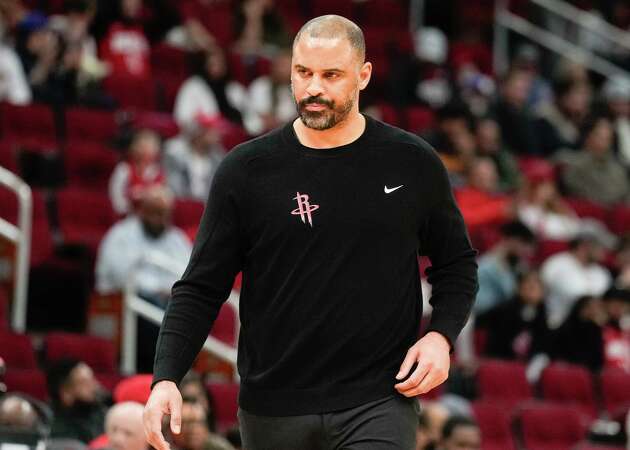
[{"x": 304, "y": 208}]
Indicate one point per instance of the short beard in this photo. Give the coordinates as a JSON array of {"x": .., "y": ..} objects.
[{"x": 325, "y": 119}]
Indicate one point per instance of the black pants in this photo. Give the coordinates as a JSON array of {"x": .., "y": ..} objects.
[{"x": 385, "y": 424}]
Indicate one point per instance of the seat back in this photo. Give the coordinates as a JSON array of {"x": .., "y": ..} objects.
[{"x": 98, "y": 353}]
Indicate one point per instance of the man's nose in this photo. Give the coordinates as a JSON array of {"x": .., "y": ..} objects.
[{"x": 314, "y": 87}]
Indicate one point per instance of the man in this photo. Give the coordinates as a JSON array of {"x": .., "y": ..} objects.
[
  {"x": 460, "y": 433},
  {"x": 123, "y": 425},
  {"x": 574, "y": 273},
  {"x": 128, "y": 241},
  {"x": 195, "y": 434},
  {"x": 74, "y": 392},
  {"x": 325, "y": 216}
]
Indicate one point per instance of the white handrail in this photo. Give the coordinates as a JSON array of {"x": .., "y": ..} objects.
[
  {"x": 21, "y": 236},
  {"x": 135, "y": 306},
  {"x": 587, "y": 20},
  {"x": 506, "y": 20}
]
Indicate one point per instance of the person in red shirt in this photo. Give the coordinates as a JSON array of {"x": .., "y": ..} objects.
[{"x": 126, "y": 47}]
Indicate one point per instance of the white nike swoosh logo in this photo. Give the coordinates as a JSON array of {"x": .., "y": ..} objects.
[{"x": 388, "y": 190}]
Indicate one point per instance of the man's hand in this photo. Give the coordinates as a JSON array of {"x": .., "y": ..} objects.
[
  {"x": 431, "y": 353},
  {"x": 165, "y": 398}
]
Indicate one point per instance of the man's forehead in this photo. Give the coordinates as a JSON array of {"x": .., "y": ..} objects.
[{"x": 323, "y": 53}]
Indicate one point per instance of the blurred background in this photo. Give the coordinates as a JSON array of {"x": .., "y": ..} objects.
[{"x": 114, "y": 115}]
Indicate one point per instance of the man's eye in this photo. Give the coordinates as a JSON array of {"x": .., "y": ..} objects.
[{"x": 332, "y": 75}]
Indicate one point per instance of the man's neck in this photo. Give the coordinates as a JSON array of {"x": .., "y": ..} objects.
[{"x": 345, "y": 132}]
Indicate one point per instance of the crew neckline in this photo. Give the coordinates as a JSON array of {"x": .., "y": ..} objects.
[{"x": 333, "y": 152}]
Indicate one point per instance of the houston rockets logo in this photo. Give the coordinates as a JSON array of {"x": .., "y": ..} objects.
[{"x": 304, "y": 208}]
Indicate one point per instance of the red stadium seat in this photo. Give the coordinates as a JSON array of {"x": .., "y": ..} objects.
[
  {"x": 89, "y": 165},
  {"x": 169, "y": 86},
  {"x": 187, "y": 213},
  {"x": 84, "y": 124},
  {"x": 225, "y": 396},
  {"x": 590, "y": 446},
  {"x": 8, "y": 156},
  {"x": 570, "y": 385},
  {"x": 586, "y": 208},
  {"x": 503, "y": 382},
  {"x": 84, "y": 216},
  {"x": 224, "y": 328},
  {"x": 132, "y": 93},
  {"x": 29, "y": 125},
  {"x": 27, "y": 381},
  {"x": 619, "y": 219},
  {"x": 98, "y": 353},
  {"x": 166, "y": 59},
  {"x": 551, "y": 427},
  {"x": 388, "y": 14},
  {"x": 494, "y": 423},
  {"x": 136, "y": 388},
  {"x": 162, "y": 123},
  {"x": 418, "y": 119},
  {"x": 547, "y": 248},
  {"x": 615, "y": 385},
  {"x": 4, "y": 309},
  {"x": 17, "y": 351}
]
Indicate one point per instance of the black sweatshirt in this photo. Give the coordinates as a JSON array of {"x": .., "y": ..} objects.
[{"x": 327, "y": 240}]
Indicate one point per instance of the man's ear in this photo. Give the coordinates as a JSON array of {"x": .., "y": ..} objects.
[{"x": 365, "y": 74}]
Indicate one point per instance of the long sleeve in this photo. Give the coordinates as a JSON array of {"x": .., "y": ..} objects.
[
  {"x": 216, "y": 258},
  {"x": 453, "y": 271}
]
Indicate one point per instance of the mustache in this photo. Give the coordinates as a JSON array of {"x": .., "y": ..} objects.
[{"x": 316, "y": 101}]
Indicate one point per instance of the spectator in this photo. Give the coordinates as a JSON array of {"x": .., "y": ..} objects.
[
  {"x": 616, "y": 93},
  {"x": 194, "y": 390},
  {"x": 460, "y": 433},
  {"x": 543, "y": 210},
  {"x": 125, "y": 47},
  {"x": 123, "y": 425},
  {"x": 518, "y": 125},
  {"x": 498, "y": 268},
  {"x": 139, "y": 235},
  {"x": 572, "y": 274},
  {"x": 260, "y": 30},
  {"x": 594, "y": 173},
  {"x": 452, "y": 138},
  {"x": 195, "y": 434},
  {"x": 527, "y": 58},
  {"x": 480, "y": 200},
  {"x": 616, "y": 335},
  {"x": 560, "y": 121},
  {"x": 140, "y": 171},
  {"x": 14, "y": 87},
  {"x": 210, "y": 93},
  {"x": 18, "y": 414},
  {"x": 621, "y": 263},
  {"x": 490, "y": 144},
  {"x": 74, "y": 392},
  {"x": 432, "y": 418},
  {"x": 518, "y": 329},
  {"x": 192, "y": 158},
  {"x": 80, "y": 47},
  {"x": 270, "y": 100},
  {"x": 579, "y": 340}
]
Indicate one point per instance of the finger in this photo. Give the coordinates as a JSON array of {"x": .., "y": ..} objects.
[
  {"x": 407, "y": 364},
  {"x": 175, "y": 405},
  {"x": 153, "y": 429},
  {"x": 433, "y": 379},
  {"x": 416, "y": 377}
]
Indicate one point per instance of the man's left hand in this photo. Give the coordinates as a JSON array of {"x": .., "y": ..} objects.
[{"x": 432, "y": 356}]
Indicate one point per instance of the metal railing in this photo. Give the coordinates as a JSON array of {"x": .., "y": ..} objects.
[
  {"x": 20, "y": 235},
  {"x": 506, "y": 21},
  {"x": 134, "y": 307}
]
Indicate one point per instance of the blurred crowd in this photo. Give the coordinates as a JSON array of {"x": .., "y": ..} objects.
[{"x": 539, "y": 159}]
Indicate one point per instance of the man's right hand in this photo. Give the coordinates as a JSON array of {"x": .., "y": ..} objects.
[{"x": 165, "y": 398}]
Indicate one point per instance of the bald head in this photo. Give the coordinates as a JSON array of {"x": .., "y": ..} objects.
[{"x": 332, "y": 26}]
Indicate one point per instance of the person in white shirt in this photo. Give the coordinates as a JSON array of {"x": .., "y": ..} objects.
[
  {"x": 191, "y": 159},
  {"x": 270, "y": 102},
  {"x": 13, "y": 85},
  {"x": 572, "y": 274},
  {"x": 141, "y": 235},
  {"x": 616, "y": 93},
  {"x": 210, "y": 93}
]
